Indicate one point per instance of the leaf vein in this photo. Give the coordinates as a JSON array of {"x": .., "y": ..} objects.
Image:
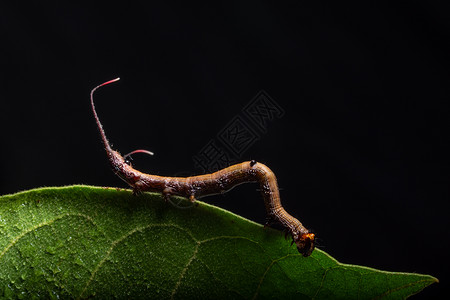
[
  {"x": 274, "y": 261},
  {"x": 119, "y": 240},
  {"x": 183, "y": 272},
  {"x": 218, "y": 279},
  {"x": 390, "y": 291},
  {"x": 37, "y": 226}
]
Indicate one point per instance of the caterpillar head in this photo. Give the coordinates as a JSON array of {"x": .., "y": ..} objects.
[{"x": 305, "y": 243}]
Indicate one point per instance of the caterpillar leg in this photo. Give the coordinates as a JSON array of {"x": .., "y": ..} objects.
[
  {"x": 166, "y": 194},
  {"x": 136, "y": 192},
  {"x": 137, "y": 188}
]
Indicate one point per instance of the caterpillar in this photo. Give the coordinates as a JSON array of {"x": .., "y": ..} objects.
[{"x": 195, "y": 187}]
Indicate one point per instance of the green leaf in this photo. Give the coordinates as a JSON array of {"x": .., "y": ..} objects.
[{"x": 81, "y": 241}]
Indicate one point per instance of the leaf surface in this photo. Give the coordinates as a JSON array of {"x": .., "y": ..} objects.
[{"x": 83, "y": 241}]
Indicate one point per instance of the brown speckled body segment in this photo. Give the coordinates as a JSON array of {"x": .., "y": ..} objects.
[{"x": 221, "y": 181}]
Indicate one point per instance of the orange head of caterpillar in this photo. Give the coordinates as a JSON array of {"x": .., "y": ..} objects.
[{"x": 305, "y": 243}]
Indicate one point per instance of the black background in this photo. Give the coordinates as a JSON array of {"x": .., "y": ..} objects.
[{"x": 361, "y": 153}]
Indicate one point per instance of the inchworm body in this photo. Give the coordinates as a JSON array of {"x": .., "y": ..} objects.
[{"x": 195, "y": 187}]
